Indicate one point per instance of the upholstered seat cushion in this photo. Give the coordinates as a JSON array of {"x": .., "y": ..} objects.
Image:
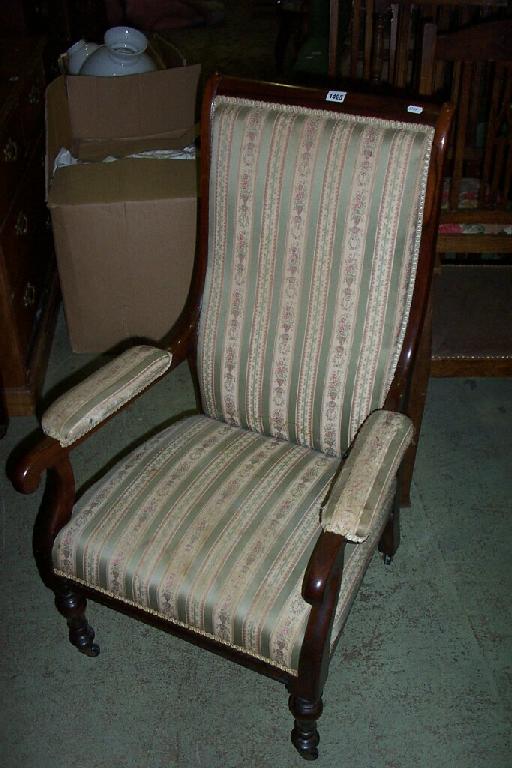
[{"x": 211, "y": 527}]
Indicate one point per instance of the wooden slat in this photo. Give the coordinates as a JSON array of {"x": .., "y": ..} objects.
[
  {"x": 368, "y": 38},
  {"x": 474, "y": 243},
  {"x": 454, "y": 367},
  {"x": 354, "y": 40},
  {"x": 334, "y": 20},
  {"x": 460, "y": 134}
]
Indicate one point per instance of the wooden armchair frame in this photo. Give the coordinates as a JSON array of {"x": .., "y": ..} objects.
[{"x": 323, "y": 574}]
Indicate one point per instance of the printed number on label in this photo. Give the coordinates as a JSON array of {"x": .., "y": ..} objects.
[{"x": 338, "y": 96}]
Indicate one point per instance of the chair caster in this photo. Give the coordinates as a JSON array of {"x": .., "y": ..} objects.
[
  {"x": 310, "y": 754},
  {"x": 306, "y": 743},
  {"x": 388, "y": 559},
  {"x": 82, "y": 637},
  {"x": 92, "y": 650},
  {"x": 305, "y": 735},
  {"x": 72, "y": 606}
]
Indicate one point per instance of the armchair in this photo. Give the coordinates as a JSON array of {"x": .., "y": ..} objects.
[{"x": 247, "y": 528}]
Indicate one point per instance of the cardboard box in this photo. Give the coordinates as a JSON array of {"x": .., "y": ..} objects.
[{"x": 124, "y": 231}]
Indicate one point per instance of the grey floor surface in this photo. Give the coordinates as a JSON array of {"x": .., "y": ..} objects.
[{"x": 422, "y": 676}]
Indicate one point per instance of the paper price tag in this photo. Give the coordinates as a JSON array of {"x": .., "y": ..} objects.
[
  {"x": 337, "y": 96},
  {"x": 414, "y": 109}
]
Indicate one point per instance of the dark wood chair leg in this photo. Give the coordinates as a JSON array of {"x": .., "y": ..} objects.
[
  {"x": 305, "y": 735},
  {"x": 416, "y": 405},
  {"x": 390, "y": 539},
  {"x": 72, "y": 606}
]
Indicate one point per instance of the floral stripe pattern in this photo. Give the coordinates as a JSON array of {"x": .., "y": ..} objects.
[
  {"x": 358, "y": 494},
  {"x": 316, "y": 219},
  {"x": 267, "y": 254},
  {"x": 104, "y": 392},
  {"x": 210, "y": 526},
  {"x": 380, "y": 279}
]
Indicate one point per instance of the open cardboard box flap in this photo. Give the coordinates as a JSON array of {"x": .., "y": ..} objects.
[
  {"x": 134, "y": 107},
  {"x": 98, "y": 116}
]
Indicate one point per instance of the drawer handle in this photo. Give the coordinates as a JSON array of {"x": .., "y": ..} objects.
[
  {"x": 21, "y": 226},
  {"x": 34, "y": 96},
  {"x": 10, "y": 151},
  {"x": 29, "y": 296}
]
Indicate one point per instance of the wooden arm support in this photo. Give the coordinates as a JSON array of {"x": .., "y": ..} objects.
[
  {"x": 320, "y": 588},
  {"x": 58, "y": 500},
  {"x": 325, "y": 562},
  {"x": 25, "y": 472},
  {"x": 47, "y": 455}
]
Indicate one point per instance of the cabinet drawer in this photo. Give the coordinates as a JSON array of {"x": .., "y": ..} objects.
[
  {"x": 25, "y": 246},
  {"x": 32, "y": 106},
  {"x": 12, "y": 157}
]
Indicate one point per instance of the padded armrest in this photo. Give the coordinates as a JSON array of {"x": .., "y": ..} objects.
[
  {"x": 103, "y": 393},
  {"x": 366, "y": 476}
]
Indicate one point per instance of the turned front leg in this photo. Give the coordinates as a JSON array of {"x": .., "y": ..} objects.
[
  {"x": 305, "y": 737},
  {"x": 72, "y": 606}
]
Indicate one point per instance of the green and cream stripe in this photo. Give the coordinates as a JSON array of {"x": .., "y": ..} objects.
[
  {"x": 210, "y": 526},
  {"x": 104, "y": 392},
  {"x": 384, "y": 273},
  {"x": 367, "y": 475},
  {"x": 312, "y": 260}
]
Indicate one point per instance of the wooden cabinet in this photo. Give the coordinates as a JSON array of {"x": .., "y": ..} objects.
[{"x": 28, "y": 280}]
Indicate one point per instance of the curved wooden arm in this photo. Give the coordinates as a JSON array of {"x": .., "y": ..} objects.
[
  {"x": 325, "y": 561},
  {"x": 58, "y": 499},
  {"x": 320, "y": 588},
  {"x": 25, "y": 471}
]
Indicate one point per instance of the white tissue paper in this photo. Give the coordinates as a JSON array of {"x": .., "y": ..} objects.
[{"x": 65, "y": 158}]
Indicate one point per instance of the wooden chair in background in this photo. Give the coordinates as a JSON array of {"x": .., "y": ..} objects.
[
  {"x": 385, "y": 38},
  {"x": 472, "y": 66},
  {"x": 406, "y": 30},
  {"x": 364, "y": 48}
]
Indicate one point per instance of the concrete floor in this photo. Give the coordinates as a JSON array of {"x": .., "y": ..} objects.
[{"x": 421, "y": 678}]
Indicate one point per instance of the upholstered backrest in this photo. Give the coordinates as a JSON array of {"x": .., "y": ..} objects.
[{"x": 314, "y": 228}]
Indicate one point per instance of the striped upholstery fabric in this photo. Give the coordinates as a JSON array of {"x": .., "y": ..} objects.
[
  {"x": 367, "y": 475},
  {"x": 211, "y": 527},
  {"x": 104, "y": 392},
  {"x": 310, "y": 269}
]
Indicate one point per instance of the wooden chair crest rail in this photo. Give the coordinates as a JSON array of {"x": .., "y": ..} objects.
[{"x": 247, "y": 528}]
